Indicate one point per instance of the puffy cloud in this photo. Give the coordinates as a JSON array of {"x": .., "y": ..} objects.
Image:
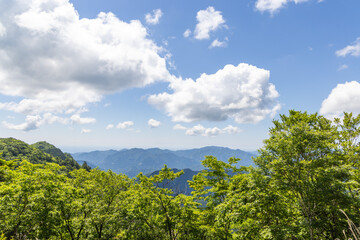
[
  {"x": 33, "y": 122},
  {"x": 217, "y": 43},
  {"x": 353, "y": 50},
  {"x": 76, "y": 118},
  {"x": 196, "y": 130},
  {"x": 344, "y": 97},
  {"x": 109, "y": 126},
  {"x": 154, "y": 18},
  {"x": 209, "y": 20},
  {"x": 84, "y": 130},
  {"x": 273, "y": 6},
  {"x": 209, "y": 132},
  {"x": 58, "y": 63},
  {"x": 240, "y": 92},
  {"x": 231, "y": 129},
  {"x": 187, "y": 33},
  {"x": 124, "y": 125},
  {"x": 153, "y": 123}
]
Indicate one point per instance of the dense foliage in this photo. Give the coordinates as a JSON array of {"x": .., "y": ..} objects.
[
  {"x": 41, "y": 152},
  {"x": 306, "y": 174}
]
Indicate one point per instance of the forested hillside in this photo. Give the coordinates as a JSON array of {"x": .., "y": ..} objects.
[
  {"x": 41, "y": 152},
  {"x": 304, "y": 179}
]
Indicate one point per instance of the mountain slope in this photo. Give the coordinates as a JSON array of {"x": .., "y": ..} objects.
[
  {"x": 135, "y": 160},
  {"x": 95, "y": 157},
  {"x": 221, "y": 153},
  {"x": 179, "y": 185},
  {"x": 50, "y": 149},
  {"x": 11, "y": 148}
]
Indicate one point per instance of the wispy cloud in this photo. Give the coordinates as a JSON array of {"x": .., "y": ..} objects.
[
  {"x": 125, "y": 125},
  {"x": 84, "y": 130},
  {"x": 200, "y": 130},
  {"x": 343, "y": 67},
  {"x": 274, "y": 6},
  {"x": 153, "y": 18},
  {"x": 353, "y": 50}
]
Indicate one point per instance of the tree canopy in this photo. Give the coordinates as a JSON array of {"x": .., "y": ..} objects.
[{"x": 303, "y": 182}]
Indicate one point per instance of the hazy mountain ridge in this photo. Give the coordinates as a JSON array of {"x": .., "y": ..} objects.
[{"x": 135, "y": 160}]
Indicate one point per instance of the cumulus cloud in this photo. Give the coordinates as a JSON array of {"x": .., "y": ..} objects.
[
  {"x": 109, "y": 126},
  {"x": 200, "y": 130},
  {"x": 273, "y": 6},
  {"x": 345, "y": 97},
  {"x": 231, "y": 129},
  {"x": 153, "y": 18},
  {"x": 124, "y": 125},
  {"x": 33, "y": 122},
  {"x": 153, "y": 123},
  {"x": 76, "y": 118},
  {"x": 209, "y": 20},
  {"x": 217, "y": 43},
  {"x": 353, "y": 50},
  {"x": 57, "y": 62},
  {"x": 240, "y": 92}
]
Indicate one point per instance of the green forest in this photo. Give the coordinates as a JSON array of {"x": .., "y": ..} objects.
[{"x": 304, "y": 184}]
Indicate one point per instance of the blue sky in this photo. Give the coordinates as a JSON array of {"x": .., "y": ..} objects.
[{"x": 92, "y": 74}]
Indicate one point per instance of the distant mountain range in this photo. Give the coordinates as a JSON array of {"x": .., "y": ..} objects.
[{"x": 135, "y": 160}]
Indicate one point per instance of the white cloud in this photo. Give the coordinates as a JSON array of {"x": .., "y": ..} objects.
[
  {"x": 124, "y": 125},
  {"x": 187, "y": 33},
  {"x": 33, "y": 122},
  {"x": 344, "y": 97},
  {"x": 58, "y": 63},
  {"x": 273, "y": 6},
  {"x": 231, "y": 129},
  {"x": 217, "y": 43},
  {"x": 210, "y": 132},
  {"x": 76, "y": 118},
  {"x": 343, "y": 67},
  {"x": 179, "y": 127},
  {"x": 209, "y": 20},
  {"x": 84, "y": 130},
  {"x": 154, "y": 18},
  {"x": 153, "y": 123},
  {"x": 196, "y": 130},
  {"x": 240, "y": 92},
  {"x": 353, "y": 50},
  {"x": 110, "y": 126}
]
